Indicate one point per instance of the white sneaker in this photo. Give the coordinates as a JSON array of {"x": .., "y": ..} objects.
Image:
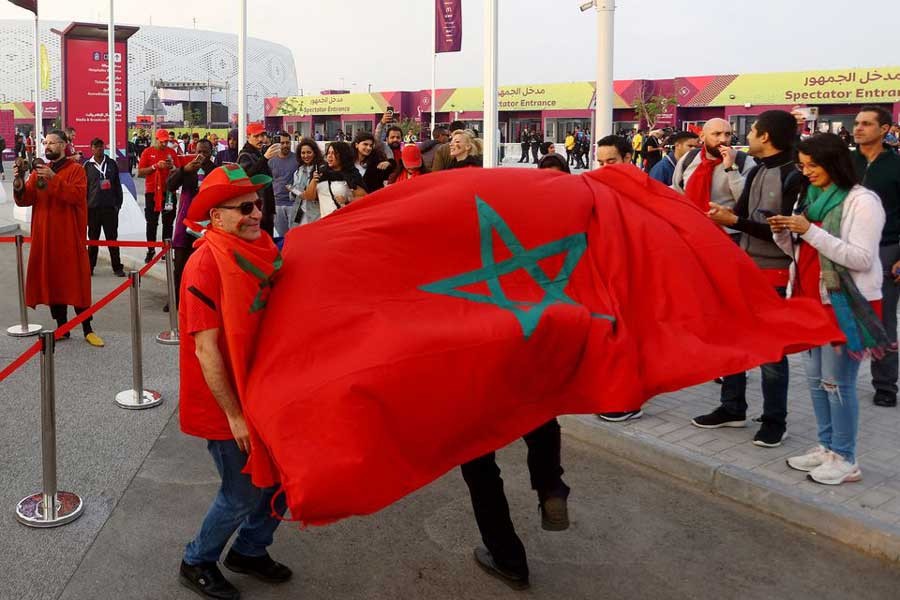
[
  {"x": 835, "y": 471},
  {"x": 809, "y": 461}
]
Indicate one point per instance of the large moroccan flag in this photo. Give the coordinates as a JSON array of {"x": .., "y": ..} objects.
[{"x": 439, "y": 320}]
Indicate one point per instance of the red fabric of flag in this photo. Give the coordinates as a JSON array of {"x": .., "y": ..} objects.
[{"x": 433, "y": 322}]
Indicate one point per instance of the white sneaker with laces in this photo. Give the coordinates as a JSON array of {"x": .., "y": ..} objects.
[
  {"x": 809, "y": 461},
  {"x": 835, "y": 471}
]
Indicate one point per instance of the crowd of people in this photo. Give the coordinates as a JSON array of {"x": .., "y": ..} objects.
[{"x": 822, "y": 222}]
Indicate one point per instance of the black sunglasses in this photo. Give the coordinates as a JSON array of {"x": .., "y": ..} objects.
[{"x": 246, "y": 208}]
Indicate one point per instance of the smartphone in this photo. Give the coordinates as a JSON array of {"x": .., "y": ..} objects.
[
  {"x": 390, "y": 110},
  {"x": 766, "y": 214}
]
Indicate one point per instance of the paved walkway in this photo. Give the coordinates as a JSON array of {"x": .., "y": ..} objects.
[{"x": 875, "y": 500}]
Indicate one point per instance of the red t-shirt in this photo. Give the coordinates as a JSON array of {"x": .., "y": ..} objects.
[
  {"x": 200, "y": 309},
  {"x": 156, "y": 181}
]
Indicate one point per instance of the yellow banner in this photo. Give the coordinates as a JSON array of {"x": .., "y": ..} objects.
[
  {"x": 45, "y": 68},
  {"x": 552, "y": 96},
  {"x": 846, "y": 86},
  {"x": 331, "y": 104}
]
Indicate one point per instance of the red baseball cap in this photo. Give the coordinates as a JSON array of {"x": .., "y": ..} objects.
[
  {"x": 411, "y": 156},
  {"x": 255, "y": 128},
  {"x": 222, "y": 184},
  {"x": 162, "y": 135}
]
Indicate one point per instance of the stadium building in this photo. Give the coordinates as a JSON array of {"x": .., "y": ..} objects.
[{"x": 154, "y": 53}]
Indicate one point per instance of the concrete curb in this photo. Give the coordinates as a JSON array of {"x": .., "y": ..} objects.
[{"x": 740, "y": 485}]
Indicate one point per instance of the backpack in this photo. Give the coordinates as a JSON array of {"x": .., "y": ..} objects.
[{"x": 740, "y": 160}]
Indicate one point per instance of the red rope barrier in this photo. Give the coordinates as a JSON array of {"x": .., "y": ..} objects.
[
  {"x": 79, "y": 319},
  {"x": 116, "y": 243}
]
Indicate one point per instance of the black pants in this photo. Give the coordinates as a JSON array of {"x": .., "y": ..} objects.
[
  {"x": 152, "y": 216},
  {"x": 108, "y": 220},
  {"x": 181, "y": 257},
  {"x": 885, "y": 370},
  {"x": 482, "y": 475},
  {"x": 534, "y": 151},
  {"x": 524, "y": 152},
  {"x": 60, "y": 314}
]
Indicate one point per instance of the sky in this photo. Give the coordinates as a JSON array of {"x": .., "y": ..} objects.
[{"x": 388, "y": 43}]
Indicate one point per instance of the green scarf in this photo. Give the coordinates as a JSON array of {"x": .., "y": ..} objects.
[{"x": 821, "y": 205}]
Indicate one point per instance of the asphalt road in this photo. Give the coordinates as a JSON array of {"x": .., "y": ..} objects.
[{"x": 635, "y": 533}]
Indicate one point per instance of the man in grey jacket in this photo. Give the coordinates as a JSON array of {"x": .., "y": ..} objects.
[{"x": 772, "y": 187}]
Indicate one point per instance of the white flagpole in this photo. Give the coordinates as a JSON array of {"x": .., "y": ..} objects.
[
  {"x": 490, "y": 83},
  {"x": 37, "y": 88},
  {"x": 242, "y": 77},
  {"x": 433, "y": 69},
  {"x": 111, "y": 65},
  {"x": 603, "y": 107}
]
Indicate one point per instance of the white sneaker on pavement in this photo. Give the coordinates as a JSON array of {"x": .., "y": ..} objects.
[
  {"x": 835, "y": 471},
  {"x": 809, "y": 461}
]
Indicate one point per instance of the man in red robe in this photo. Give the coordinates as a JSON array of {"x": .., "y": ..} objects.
[{"x": 58, "y": 269}]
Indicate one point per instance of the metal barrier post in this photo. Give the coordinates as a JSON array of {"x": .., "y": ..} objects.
[
  {"x": 50, "y": 507},
  {"x": 24, "y": 328},
  {"x": 170, "y": 337},
  {"x": 137, "y": 397}
]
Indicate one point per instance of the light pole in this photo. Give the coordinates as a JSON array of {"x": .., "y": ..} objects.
[
  {"x": 603, "y": 105},
  {"x": 490, "y": 83}
]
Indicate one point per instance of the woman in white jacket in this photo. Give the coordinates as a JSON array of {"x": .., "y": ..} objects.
[{"x": 834, "y": 237}]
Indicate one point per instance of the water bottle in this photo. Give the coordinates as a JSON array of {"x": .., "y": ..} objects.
[
  {"x": 201, "y": 174},
  {"x": 170, "y": 201}
]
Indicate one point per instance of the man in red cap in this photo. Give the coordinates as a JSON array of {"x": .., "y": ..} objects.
[
  {"x": 254, "y": 159},
  {"x": 155, "y": 164},
  {"x": 224, "y": 290}
]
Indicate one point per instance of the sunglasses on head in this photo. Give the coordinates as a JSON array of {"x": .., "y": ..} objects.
[{"x": 246, "y": 208}]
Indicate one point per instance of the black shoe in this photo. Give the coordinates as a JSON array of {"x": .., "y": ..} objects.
[
  {"x": 120, "y": 273},
  {"x": 149, "y": 256},
  {"x": 516, "y": 581},
  {"x": 207, "y": 580},
  {"x": 261, "y": 567},
  {"x": 719, "y": 418},
  {"x": 616, "y": 417},
  {"x": 554, "y": 514},
  {"x": 770, "y": 435},
  {"x": 884, "y": 399},
  {"x": 166, "y": 307}
]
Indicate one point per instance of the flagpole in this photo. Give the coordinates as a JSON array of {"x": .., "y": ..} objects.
[
  {"x": 603, "y": 107},
  {"x": 490, "y": 83},
  {"x": 242, "y": 76},
  {"x": 37, "y": 84},
  {"x": 433, "y": 68},
  {"x": 111, "y": 66}
]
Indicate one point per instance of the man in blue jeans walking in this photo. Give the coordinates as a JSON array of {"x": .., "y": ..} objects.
[
  {"x": 210, "y": 407},
  {"x": 771, "y": 188}
]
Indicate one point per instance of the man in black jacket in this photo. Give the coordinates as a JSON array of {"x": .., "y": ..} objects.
[
  {"x": 536, "y": 140},
  {"x": 254, "y": 162},
  {"x": 878, "y": 167},
  {"x": 525, "y": 141},
  {"x": 772, "y": 188},
  {"x": 104, "y": 199}
]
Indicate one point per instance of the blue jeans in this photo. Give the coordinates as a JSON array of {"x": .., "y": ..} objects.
[
  {"x": 238, "y": 504},
  {"x": 832, "y": 374}
]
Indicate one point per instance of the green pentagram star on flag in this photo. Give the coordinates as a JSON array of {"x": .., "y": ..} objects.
[{"x": 527, "y": 313}]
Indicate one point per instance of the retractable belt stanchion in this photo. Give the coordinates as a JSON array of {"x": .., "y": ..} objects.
[
  {"x": 170, "y": 337},
  {"x": 24, "y": 328},
  {"x": 48, "y": 508},
  {"x": 137, "y": 397}
]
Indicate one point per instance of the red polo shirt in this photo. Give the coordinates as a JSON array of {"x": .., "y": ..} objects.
[
  {"x": 199, "y": 310},
  {"x": 156, "y": 181}
]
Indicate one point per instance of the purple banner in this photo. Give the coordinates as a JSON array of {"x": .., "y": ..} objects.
[
  {"x": 26, "y": 4},
  {"x": 447, "y": 26}
]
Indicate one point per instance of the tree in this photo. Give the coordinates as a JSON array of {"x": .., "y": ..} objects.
[
  {"x": 410, "y": 127},
  {"x": 650, "y": 108}
]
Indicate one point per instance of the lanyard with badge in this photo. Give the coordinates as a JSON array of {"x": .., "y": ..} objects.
[{"x": 104, "y": 183}]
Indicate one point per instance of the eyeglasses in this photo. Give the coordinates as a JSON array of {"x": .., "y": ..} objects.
[{"x": 246, "y": 208}]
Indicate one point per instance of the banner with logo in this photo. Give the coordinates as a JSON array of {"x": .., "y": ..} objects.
[
  {"x": 325, "y": 104},
  {"x": 447, "y": 26},
  {"x": 26, "y": 4}
]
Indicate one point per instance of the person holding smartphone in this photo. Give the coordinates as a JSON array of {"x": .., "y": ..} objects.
[
  {"x": 338, "y": 184},
  {"x": 833, "y": 237},
  {"x": 772, "y": 188}
]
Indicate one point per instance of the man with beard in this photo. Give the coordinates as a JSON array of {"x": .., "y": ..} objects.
[
  {"x": 715, "y": 171},
  {"x": 58, "y": 268},
  {"x": 254, "y": 162},
  {"x": 155, "y": 164},
  {"x": 395, "y": 143}
]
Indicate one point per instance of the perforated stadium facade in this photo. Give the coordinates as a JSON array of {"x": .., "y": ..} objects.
[{"x": 154, "y": 53}]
